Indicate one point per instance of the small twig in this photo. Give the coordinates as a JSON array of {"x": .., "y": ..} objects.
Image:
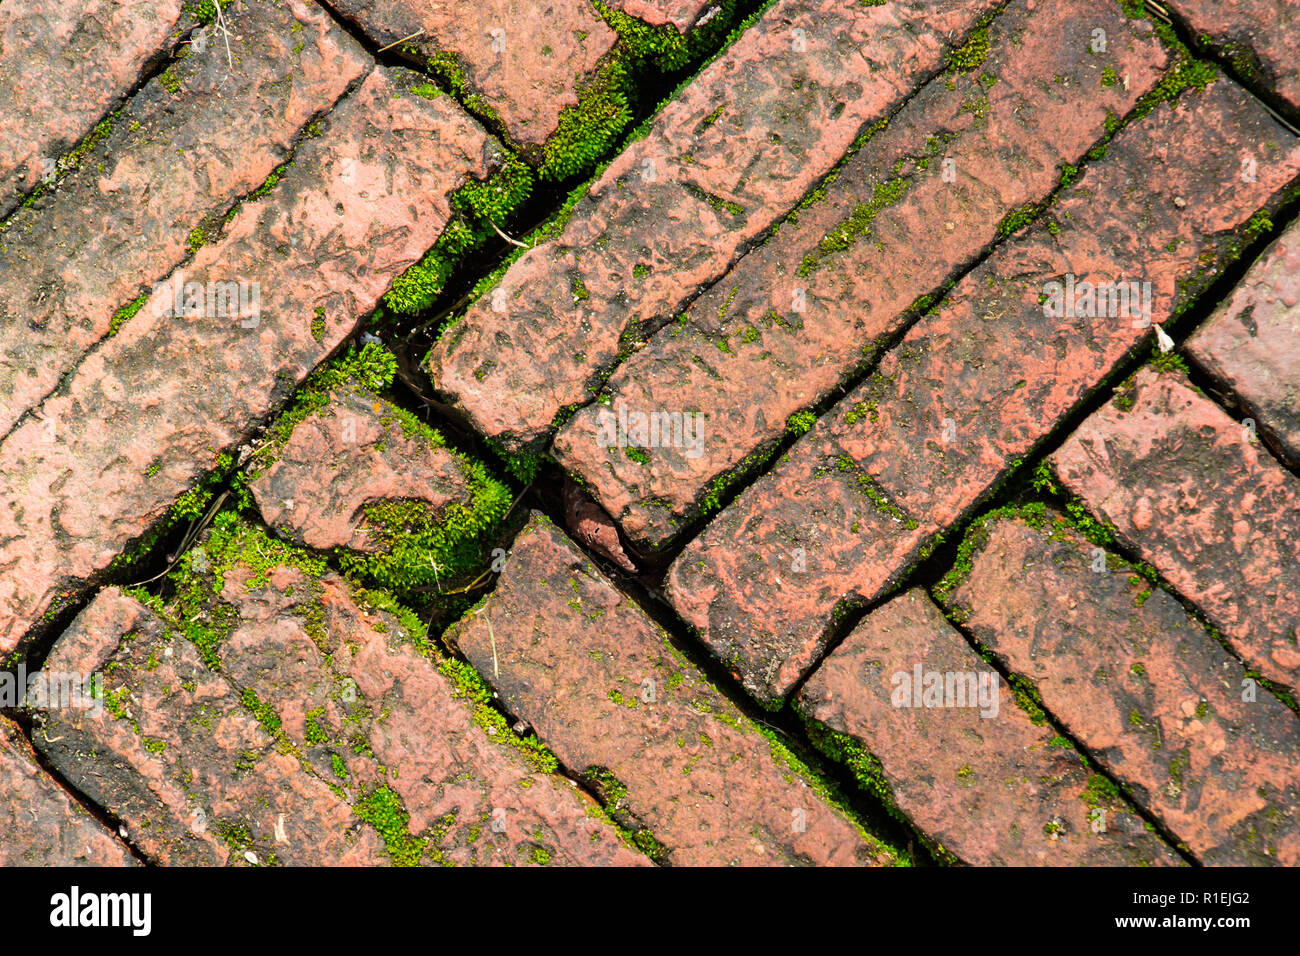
[
  {"x": 513, "y": 242},
  {"x": 195, "y": 529},
  {"x": 399, "y": 42},
  {"x": 496, "y": 671},
  {"x": 225, "y": 34}
]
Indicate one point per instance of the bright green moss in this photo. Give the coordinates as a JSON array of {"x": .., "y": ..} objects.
[
  {"x": 126, "y": 313},
  {"x": 383, "y": 810},
  {"x": 858, "y": 225},
  {"x": 587, "y": 130}
]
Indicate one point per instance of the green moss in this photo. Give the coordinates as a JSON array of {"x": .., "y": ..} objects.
[
  {"x": 587, "y": 130},
  {"x": 478, "y": 209},
  {"x": 383, "y": 810},
  {"x": 800, "y": 422},
  {"x": 126, "y": 313},
  {"x": 970, "y": 56},
  {"x": 858, "y": 224},
  {"x": 471, "y": 687}
]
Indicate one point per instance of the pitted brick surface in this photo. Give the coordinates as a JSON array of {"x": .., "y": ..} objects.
[
  {"x": 126, "y": 217},
  {"x": 751, "y": 352},
  {"x": 1260, "y": 38},
  {"x": 72, "y": 62},
  {"x": 606, "y": 691},
  {"x": 732, "y": 153},
  {"x": 145, "y": 415},
  {"x": 524, "y": 63},
  {"x": 1210, "y": 509},
  {"x": 40, "y": 824},
  {"x": 971, "y": 389},
  {"x": 350, "y": 454},
  {"x": 177, "y": 757},
  {"x": 1249, "y": 343},
  {"x": 973, "y": 773},
  {"x": 1145, "y": 688}
]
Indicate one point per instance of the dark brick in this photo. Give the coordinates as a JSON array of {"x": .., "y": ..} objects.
[{"x": 40, "y": 825}]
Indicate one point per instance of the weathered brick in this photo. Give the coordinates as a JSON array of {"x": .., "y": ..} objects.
[
  {"x": 526, "y": 74},
  {"x": 40, "y": 825},
  {"x": 147, "y": 413},
  {"x": 608, "y": 693},
  {"x": 72, "y": 62},
  {"x": 972, "y": 388},
  {"x": 747, "y": 358},
  {"x": 1124, "y": 668},
  {"x": 1260, "y": 38},
  {"x": 732, "y": 153},
  {"x": 179, "y": 759},
  {"x": 973, "y": 773},
  {"x": 124, "y": 219},
  {"x": 344, "y": 457},
  {"x": 1210, "y": 509},
  {"x": 683, "y": 14},
  {"x": 1249, "y": 342},
  {"x": 381, "y": 716}
]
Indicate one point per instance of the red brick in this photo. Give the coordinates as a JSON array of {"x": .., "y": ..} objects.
[
  {"x": 606, "y": 691},
  {"x": 176, "y": 756},
  {"x": 732, "y": 153},
  {"x": 981, "y": 781},
  {"x": 348, "y": 681},
  {"x": 749, "y": 361},
  {"x": 40, "y": 825},
  {"x": 683, "y": 14},
  {"x": 972, "y": 388},
  {"x": 548, "y": 51},
  {"x": 1144, "y": 687},
  {"x": 1260, "y": 38},
  {"x": 146, "y": 414},
  {"x": 72, "y": 62},
  {"x": 122, "y": 220},
  {"x": 1213, "y": 512},
  {"x": 350, "y": 454},
  {"x": 1249, "y": 342}
]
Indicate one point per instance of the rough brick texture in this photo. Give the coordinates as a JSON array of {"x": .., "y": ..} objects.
[
  {"x": 972, "y": 388},
  {"x": 1212, "y": 511},
  {"x": 126, "y": 217},
  {"x": 1249, "y": 342},
  {"x": 145, "y": 415},
  {"x": 609, "y": 694},
  {"x": 1259, "y": 38},
  {"x": 974, "y": 774},
  {"x": 748, "y": 358},
  {"x": 733, "y": 152},
  {"x": 348, "y": 455},
  {"x": 71, "y": 62},
  {"x": 526, "y": 74},
  {"x": 40, "y": 825},
  {"x": 1144, "y": 687},
  {"x": 177, "y": 757}
]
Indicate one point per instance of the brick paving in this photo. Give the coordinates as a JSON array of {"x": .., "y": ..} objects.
[{"x": 649, "y": 432}]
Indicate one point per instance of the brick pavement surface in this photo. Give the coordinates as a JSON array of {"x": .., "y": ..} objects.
[{"x": 649, "y": 432}]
